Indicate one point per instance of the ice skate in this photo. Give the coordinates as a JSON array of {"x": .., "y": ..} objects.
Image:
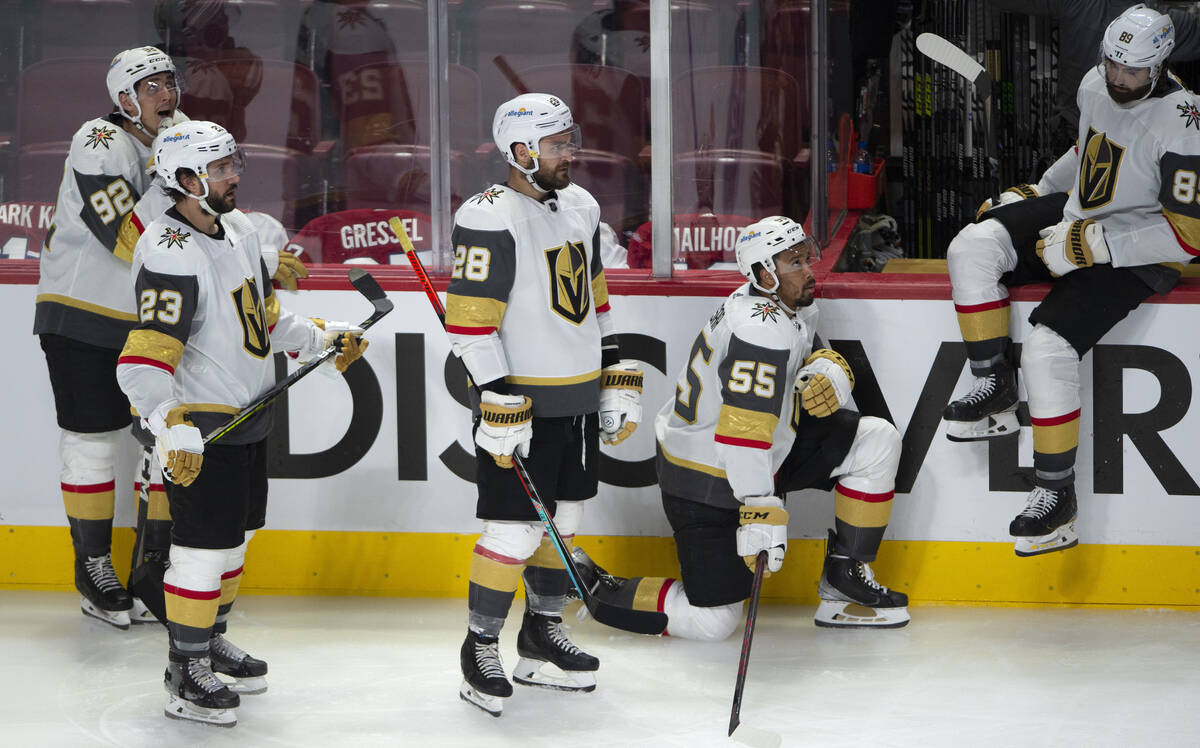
[
  {"x": 194, "y": 693},
  {"x": 851, "y": 598},
  {"x": 102, "y": 595},
  {"x": 542, "y": 643},
  {"x": 1047, "y": 523},
  {"x": 139, "y": 613},
  {"x": 988, "y": 411},
  {"x": 249, "y": 673},
  {"x": 595, "y": 579},
  {"x": 484, "y": 682}
]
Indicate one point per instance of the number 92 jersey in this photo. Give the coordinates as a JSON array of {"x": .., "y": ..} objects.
[
  {"x": 730, "y": 424},
  {"x": 83, "y": 291}
]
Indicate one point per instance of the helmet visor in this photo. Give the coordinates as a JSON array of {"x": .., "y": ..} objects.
[
  {"x": 228, "y": 167},
  {"x": 565, "y": 143}
]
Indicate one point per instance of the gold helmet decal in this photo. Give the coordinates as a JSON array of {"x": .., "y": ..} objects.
[
  {"x": 570, "y": 285},
  {"x": 1098, "y": 170}
]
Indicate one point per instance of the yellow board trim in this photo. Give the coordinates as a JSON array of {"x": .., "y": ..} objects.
[
  {"x": 300, "y": 562},
  {"x": 54, "y": 298}
]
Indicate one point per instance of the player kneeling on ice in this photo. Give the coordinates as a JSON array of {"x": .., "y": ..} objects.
[
  {"x": 738, "y": 436},
  {"x": 200, "y": 353},
  {"x": 1107, "y": 225}
]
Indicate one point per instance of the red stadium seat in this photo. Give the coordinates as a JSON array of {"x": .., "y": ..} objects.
[
  {"x": 700, "y": 239},
  {"x": 264, "y": 102},
  {"x": 389, "y": 103},
  {"x": 358, "y": 235},
  {"x": 55, "y": 97},
  {"x": 100, "y": 28},
  {"x": 608, "y": 103},
  {"x": 747, "y": 108},
  {"x": 40, "y": 171},
  {"x": 616, "y": 183},
  {"x": 397, "y": 176},
  {"x": 746, "y": 183},
  {"x": 282, "y": 183}
]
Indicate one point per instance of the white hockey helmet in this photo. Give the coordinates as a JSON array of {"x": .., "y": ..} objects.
[
  {"x": 129, "y": 67},
  {"x": 1140, "y": 37},
  {"x": 194, "y": 145},
  {"x": 527, "y": 119},
  {"x": 759, "y": 242}
]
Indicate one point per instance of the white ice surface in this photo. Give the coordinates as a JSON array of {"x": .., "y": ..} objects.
[{"x": 384, "y": 672}]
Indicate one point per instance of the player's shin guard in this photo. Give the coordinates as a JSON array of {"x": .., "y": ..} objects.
[
  {"x": 192, "y": 590},
  {"x": 850, "y": 596},
  {"x": 249, "y": 674},
  {"x": 151, "y": 545},
  {"x": 1047, "y": 523},
  {"x": 88, "y": 487}
]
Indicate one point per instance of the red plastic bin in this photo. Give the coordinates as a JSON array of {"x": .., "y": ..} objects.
[{"x": 863, "y": 189}]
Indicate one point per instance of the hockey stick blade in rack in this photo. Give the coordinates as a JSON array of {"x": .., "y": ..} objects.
[
  {"x": 746, "y": 734},
  {"x": 366, "y": 285},
  {"x": 946, "y": 53},
  {"x": 626, "y": 619}
]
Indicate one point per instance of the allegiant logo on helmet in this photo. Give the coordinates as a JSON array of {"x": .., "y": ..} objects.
[
  {"x": 522, "y": 112},
  {"x": 750, "y": 235},
  {"x": 177, "y": 137}
]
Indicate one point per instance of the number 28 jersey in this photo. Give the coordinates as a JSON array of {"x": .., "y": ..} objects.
[{"x": 730, "y": 425}]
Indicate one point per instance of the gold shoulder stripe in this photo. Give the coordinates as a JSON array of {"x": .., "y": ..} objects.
[
  {"x": 127, "y": 239},
  {"x": 153, "y": 345},
  {"x": 272, "y": 306},
  {"x": 749, "y": 425},
  {"x": 1187, "y": 230},
  {"x": 600, "y": 290}
]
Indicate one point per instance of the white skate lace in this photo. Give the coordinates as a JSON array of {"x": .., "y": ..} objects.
[
  {"x": 226, "y": 649},
  {"x": 555, "y": 630},
  {"x": 1041, "y": 502},
  {"x": 868, "y": 577},
  {"x": 100, "y": 569},
  {"x": 200, "y": 671},
  {"x": 487, "y": 658},
  {"x": 981, "y": 390}
]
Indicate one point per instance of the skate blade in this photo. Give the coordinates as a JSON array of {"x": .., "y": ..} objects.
[
  {"x": 841, "y": 614},
  {"x": 245, "y": 686},
  {"x": 493, "y": 705},
  {"x": 139, "y": 613},
  {"x": 183, "y": 709},
  {"x": 1060, "y": 540},
  {"x": 992, "y": 427},
  {"x": 756, "y": 737},
  {"x": 529, "y": 673},
  {"x": 115, "y": 618}
]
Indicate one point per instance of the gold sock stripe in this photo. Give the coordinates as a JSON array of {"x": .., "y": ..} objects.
[
  {"x": 649, "y": 593},
  {"x": 983, "y": 321},
  {"x": 229, "y": 585},
  {"x": 545, "y": 555},
  {"x": 160, "y": 508},
  {"x": 92, "y": 501},
  {"x": 197, "y": 609},
  {"x": 494, "y": 571},
  {"x": 862, "y": 509},
  {"x": 1057, "y": 434}
]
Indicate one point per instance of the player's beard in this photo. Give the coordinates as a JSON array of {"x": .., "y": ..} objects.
[
  {"x": 223, "y": 204},
  {"x": 553, "y": 180},
  {"x": 1126, "y": 95}
]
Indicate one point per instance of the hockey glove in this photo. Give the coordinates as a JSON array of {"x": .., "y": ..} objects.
[
  {"x": 764, "y": 528},
  {"x": 1011, "y": 195},
  {"x": 345, "y": 336},
  {"x": 180, "y": 444},
  {"x": 824, "y": 382},
  {"x": 1071, "y": 245},
  {"x": 505, "y": 426},
  {"x": 620, "y": 402},
  {"x": 289, "y": 272}
]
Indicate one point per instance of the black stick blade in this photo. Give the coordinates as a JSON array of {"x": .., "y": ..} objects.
[
  {"x": 627, "y": 619},
  {"x": 366, "y": 285}
]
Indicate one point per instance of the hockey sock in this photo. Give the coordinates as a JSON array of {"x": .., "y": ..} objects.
[
  {"x": 1051, "y": 367},
  {"x": 546, "y": 579},
  {"x": 88, "y": 489},
  {"x": 864, "y": 491},
  {"x": 1055, "y": 442},
  {"x": 493, "y": 585},
  {"x": 860, "y": 518},
  {"x": 230, "y": 579},
  {"x": 639, "y": 593},
  {"x": 192, "y": 587},
  {"x": 984, "y": 329}
]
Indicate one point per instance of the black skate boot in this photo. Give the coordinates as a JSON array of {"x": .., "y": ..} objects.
[
  {"x": 851, "y": 598},
  {"x": 542, "y": 641},
  {"x": 103, "y": 597},
  {"x": 989, "y": 410},
  {"x": 1047, "y": 523},
  {"x": 595, "y": 579},
  {"x": 250, "y": 673},
  {"x": 194, "y": 693},
  {"x": 484, "y": 683}
]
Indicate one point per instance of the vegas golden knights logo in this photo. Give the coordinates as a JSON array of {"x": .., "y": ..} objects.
[
  {"x": 255, "y": 335},
  {"x": 570, "y": 284},
  {"x": 1098, "y": 170}
]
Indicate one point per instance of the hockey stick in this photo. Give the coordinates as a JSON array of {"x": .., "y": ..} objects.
[
  {"x": 145, "y": 580},
  {"x": 942, "y": 51},
  {"x": 365, "y": 284},
  {"x": 745, "y": 734},
  {"x": 626, "y": 619},
  {"x": 510, "y": 74}
]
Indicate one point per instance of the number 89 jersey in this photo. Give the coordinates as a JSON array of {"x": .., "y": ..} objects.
[
  {"x": 730, "y": 425},
  {"x": 84, "y": 291}
]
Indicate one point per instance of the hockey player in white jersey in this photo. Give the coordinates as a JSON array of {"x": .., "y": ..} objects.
[
  {"x": 85, "y": 309},
  {"x": 1108, "y": 224},
  {"x": 527, "y": 311},
  {"x": 208, "y": 320},
  {"x": 757, "y": 413}
]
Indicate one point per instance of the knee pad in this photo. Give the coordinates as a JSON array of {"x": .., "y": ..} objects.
[
  {"x": 88, "y": 458},
  {"x": 516, "y": 540},
  {"x": 197, "y": 569},
  {"x": 873, "y": 459},
  {"x": 567, "y": 516},
  {"x": 237, "y": 556},
  {"x": 688, "y": 621},
  {"x": 1050, "y": 367},
  {"x": 976, "y": 258}
]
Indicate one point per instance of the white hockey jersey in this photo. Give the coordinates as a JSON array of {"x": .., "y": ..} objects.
[
  {"x": 732, "y": 423},
  {"x": 208, "y": 317},
  {"x": 527, "y": 301},
  {"x": 1135, "y": 171},
  {"x": 83, "y": 289}
]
